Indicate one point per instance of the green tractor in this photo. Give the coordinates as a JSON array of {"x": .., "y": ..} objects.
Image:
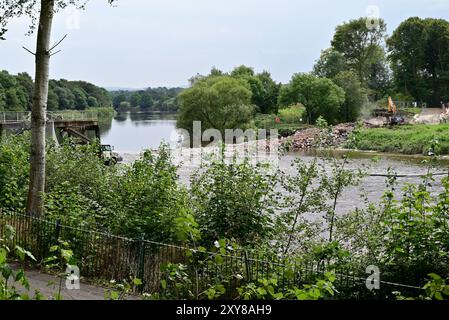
[{"x": 108, "y": 155}]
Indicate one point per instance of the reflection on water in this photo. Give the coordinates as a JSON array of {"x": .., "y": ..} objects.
[{"x": 134, "y": 132}]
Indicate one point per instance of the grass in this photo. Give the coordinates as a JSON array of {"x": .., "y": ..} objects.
[
  {"x": 407, "y": 139},
  {"x": 287, "y": 121},
  {"x": 100, "y": 112}
]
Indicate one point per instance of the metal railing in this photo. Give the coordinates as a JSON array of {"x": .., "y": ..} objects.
[
  {"x": 18, "y": 117},
  {"x": 14, "y": 117},
  {"x": 103, "y": 256},
  {"x": 89, "y": 115}
]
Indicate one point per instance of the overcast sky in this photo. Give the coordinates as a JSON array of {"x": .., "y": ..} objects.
[{"x": 141, "y": 43}]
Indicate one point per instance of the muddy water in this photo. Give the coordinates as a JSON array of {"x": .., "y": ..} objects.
[
  {"x": 132, "y": 133},
  {"x": 370, "y": 187}
]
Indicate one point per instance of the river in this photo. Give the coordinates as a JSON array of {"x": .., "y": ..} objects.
[
  {"x": 134, "y": 132},
  {"x": 131, "y": 133}
]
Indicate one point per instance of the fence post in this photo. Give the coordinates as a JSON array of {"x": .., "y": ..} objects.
[
  {"x": 248, "y": 273},
  {"x": 57, "y": 229},
  {"x": 141, "y": 272}
]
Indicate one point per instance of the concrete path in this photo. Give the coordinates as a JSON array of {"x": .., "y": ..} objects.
[{"x": 48, "y": 285}]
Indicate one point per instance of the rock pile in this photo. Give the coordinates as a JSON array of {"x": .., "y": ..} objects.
[{"x": 314, "y": 137}]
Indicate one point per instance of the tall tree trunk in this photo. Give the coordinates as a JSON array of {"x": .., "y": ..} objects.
[{"x": 35, "y": 205}]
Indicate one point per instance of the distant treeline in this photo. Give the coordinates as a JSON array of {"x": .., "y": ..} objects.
[
  {"x": 16, "y": 94},
  {"x": 151, "y": 99}
]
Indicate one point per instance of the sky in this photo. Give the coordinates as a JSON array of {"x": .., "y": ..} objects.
[{"x": 142, "y": 43}]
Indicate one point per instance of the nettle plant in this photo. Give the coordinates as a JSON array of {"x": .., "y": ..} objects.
[
  {"x": 14, "y": 284},
  {"x": 234, "y": 200}
]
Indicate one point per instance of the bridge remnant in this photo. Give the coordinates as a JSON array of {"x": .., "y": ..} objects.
[{"x": 73, "y": 124}]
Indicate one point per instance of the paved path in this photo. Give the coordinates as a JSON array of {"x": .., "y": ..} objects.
[{"x": 48, "y": 285}]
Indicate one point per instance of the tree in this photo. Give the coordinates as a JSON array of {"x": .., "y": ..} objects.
[
  {"x": 26, "y": 82},
  {"x": 80, "y": 99},
  {"x": 320, "y": 96},
  {"x": 355, "y": 95},
  {"x": 92, "y": 102},
  {"x": 270, "y": 93},
  {"x": 419, "y": 51},
  {"x": 379, "y": 78},
  {"x": 135, "y": 100},
  {"x": 14, "y": 96},
  {"x": 52, "y": 101},
  {"x": 330, "y": 64},
  {"x": 358, "y": 43},
  {"x": 218, "y": 102},
  {"x": 264, "y": 89},
  {"x": 10, "y": 9},
  {"x": 242, "y": 72}
]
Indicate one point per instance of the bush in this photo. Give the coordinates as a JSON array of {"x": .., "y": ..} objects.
[
  {"x": 234, "y": 201},
  {"x": 141, "y": 199},
  {"x": 292, "y": 114},
  {"x": 14, "y": 172}
]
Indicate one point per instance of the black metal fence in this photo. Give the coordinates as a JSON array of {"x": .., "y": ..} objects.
[{"x": 103, "y": 256}]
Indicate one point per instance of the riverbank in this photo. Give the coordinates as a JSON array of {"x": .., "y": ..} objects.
[
  {"x": 416, "y": 139},
  {"x": 406, "y": 139}
]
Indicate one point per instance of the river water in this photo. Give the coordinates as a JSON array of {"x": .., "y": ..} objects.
[
  {"x": 131, "y": 133},
  {"x": 134, "y": 132}
]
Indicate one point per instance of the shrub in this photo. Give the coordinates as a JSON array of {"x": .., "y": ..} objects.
[
  {"x": 234, "y": 201},
  {"x": 14, "y": 172},
  {"x": 292, "y": 114}
]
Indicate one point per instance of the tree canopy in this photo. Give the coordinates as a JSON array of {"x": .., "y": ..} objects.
[
  {"x": 355, "y": 95},
  {"x": 359, "y": 44},
  {"x": 16, "y": 93},
  {"x": 320, "y": 96},
  {"x": 219, "y": 102},
  {"x": 150, "y": 99},
  {"x": 419, "y": 52}
]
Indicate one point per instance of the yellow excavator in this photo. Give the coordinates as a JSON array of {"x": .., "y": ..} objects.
[
  {"x": 392, "y": 109},
  {"x": 391, "y": 113}
]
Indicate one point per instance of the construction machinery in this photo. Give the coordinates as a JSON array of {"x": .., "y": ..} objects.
[
  {"x": 108, "y": 155},
  {"x": 391, "y": 113}
]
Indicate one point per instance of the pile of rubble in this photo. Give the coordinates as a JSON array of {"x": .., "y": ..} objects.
[{"x": 315, "y": 137}]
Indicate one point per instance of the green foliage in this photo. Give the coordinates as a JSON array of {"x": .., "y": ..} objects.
[
  {"x": 264, "y": 89},
  {"x": 146, "y": 199},
  {"x": 437, "y": 288},
  {"x": 16, "y": 94},
  {"x": 355, "y": 95},
  {"x": 150, "y": 99},
  {"x": 9, "y": 278},
  {"x": 408, "y": 139},
  {"x": 123, "y": 289},
  {"x": 293, "y": 114},
  {"x": 14, "y": 172},
  {"x": 143, "y": 198},
  {"x": 267, "y": 289},
  {"x": 359, "y": 44},
  {"x": 407, "y": 238},
  {"x": 218, "y": 102},
  {"x": 234, "y": 200},
  {"x": 320, "y": 96},
  {"x": 419, "y": 51},
  {"x": 330, "y": 64}
]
